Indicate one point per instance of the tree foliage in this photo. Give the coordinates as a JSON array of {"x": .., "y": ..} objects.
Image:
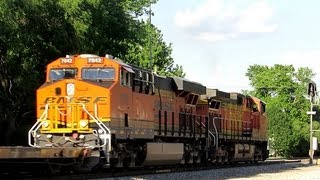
[
  {"x": 284, "y": 89},
  {"x": 35, "y": 32},
  {"x": 153, "y": 52}
]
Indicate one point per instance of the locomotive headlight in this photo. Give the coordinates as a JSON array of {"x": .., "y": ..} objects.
[
  {"x": 70, "y": 89},
  {"x": 83, "y": 123},
  {"x": 45, "y": 124},
  {"x": 49, "y": 136},
  {"x": 100, "y": 131}
]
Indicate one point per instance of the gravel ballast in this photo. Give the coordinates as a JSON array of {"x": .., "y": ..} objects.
[{"x": 296, "y": 170}]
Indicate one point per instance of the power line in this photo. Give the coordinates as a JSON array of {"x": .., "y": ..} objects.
[{"x": 150, "y": 38}]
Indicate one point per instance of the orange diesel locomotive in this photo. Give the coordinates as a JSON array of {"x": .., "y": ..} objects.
[{"x": 128, "y": 116}]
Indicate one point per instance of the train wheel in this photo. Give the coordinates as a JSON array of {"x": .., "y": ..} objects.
[{"x": 92, "y": 163}]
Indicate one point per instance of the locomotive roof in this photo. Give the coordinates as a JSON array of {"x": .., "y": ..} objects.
[
  {"x": 173, "y": 83},
  {"x": 223, "y": 96},
  {"x": 182, "y": 84}
]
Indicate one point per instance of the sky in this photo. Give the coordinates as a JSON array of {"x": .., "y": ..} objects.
[{"x": 216, "y": 41}]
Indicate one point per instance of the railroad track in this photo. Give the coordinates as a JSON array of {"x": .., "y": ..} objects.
[{"x": 116, "y": 173}]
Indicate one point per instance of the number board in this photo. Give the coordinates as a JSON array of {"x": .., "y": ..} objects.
[
  {"x": 95, "y": 60},
  {"x": 66, "y": 61}
]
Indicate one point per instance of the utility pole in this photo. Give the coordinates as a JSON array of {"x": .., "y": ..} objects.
[
  {"x": 311, "y": 113},
  {"x": 312, "y": 90},
  {"x": 150, "y": 38}
]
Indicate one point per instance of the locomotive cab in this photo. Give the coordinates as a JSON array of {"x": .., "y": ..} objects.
[{"x": 74, "y": 103}]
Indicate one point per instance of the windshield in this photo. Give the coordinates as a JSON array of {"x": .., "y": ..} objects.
[
  {"x": 98, "y": 73},
  {"x": 63, "y": 73}
]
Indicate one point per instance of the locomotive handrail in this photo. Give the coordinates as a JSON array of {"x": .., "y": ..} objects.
[
  {"x": 63, "y": 114},
  {"x": 203, "y": 125},
  {"x": 107, "y": 136},
  {"x": 103, "y": 133},
  {"x": 36, "y": 126},
  {"x": 96, "y": 116},
  {"x": 102, "y": 126},
  {"x": 215, "y": 128},
  {"x": 215, "y": 136}
]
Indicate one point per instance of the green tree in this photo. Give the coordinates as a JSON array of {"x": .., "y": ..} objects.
[
  {"x": 284, "y": 89},
  {"x": 114, "y": 27},
  {"x": 151, "y": 51},
  {"x": 33, "y": 33}
]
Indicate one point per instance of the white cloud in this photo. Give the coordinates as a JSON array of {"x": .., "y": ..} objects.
[
  {"x": 255, "y": 18},
  {"x": 215, "y": 20},
  {"x": 213, "y": 37},
  {"x": 194, "y": 17}
]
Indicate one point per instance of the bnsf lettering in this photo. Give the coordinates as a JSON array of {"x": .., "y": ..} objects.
[
  {"x": 100, "y": 99},
  {"x": 83, "y": 100},
  {"x": 95, "y": 60},
  {"x": 66, "y": 60},
  {"x": 59, "y": 100}
]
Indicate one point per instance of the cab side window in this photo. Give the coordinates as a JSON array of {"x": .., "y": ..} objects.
[
  {"x": 255, "y": 107},
  {"x": 143, "y": 81},
  {"x": 125, "y": 78}
]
